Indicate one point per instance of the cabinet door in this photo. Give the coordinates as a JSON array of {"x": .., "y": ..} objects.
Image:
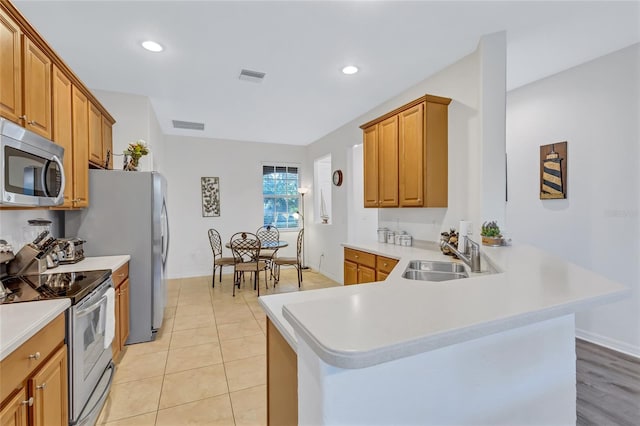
[
  {"x": 366, "y": 274},
  {"x": 350, "y": 273},
  {"x": 10, "y": 69},
  {"x": 62, "y": 128},
  {"x": 411, "y": 163},
  {"x": 124, "y": 312},
  {"x": 115, "y": 344},
  {"x": 15, "y": 411},
  {"x": 107, "y": 144},
  {"x": 95, "y": 135},
  {"x": 49, "y": 390},
  {"x": 388, "y": 162},
  {"x": 437, "y": 155},
  {"x": 37, "y": 89},
  {"x": 370, "y": 153},
  {"x": 381, "y": 276},
  {"x": 80, "y": 121}
]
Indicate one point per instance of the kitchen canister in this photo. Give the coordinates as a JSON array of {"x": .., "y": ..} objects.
[
  {"x": 391, "y": 237},
  {"x": 382, "y": 235},
  {"x": 406, "y": 240},
  {"x": 398, "y": 237}
]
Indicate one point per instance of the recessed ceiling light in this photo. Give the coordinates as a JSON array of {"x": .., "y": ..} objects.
[
  {"x": 350, "y": 69},
  {"x": 152, "y": 46}
]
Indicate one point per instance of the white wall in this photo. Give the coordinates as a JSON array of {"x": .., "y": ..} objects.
[
  {"x": 238, "y": 165},
  {"x": 135, "y": 119},
  {"x": 464, "y": 82},
  {"x": 12, "y": 223},
  {"x": 595, "y": 108}
]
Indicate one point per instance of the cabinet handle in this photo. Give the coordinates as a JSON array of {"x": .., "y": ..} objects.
[
  {"x": 22, "y": 117},
  {"x": 28, "y": 402},
  {"x": 385, "y": 264},
  {"x": 31, "y": 122},
  {"x": 42, "y": 386},
  {"x": 35, "y": 356},
  {"x": 356, "y": 256}
]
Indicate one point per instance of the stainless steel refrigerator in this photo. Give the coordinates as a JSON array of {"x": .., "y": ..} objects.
[{"x": 127, "y": 214}]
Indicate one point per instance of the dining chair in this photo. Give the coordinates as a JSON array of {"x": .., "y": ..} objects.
[
  {"x": 218, "y": 260},
  {"x": 268, "y": 235},
  {"x": 245, "y": 247},
  {"x": 293, "y": 261}
]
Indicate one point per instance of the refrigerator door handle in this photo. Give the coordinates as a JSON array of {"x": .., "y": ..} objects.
[{"x": 165, "y": 238}]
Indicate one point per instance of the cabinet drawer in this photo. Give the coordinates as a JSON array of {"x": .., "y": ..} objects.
[
  {"x": 360, "y": 257},
  {"x": 120, "y": 274},
  {"x": 15, "y": 368},
  {"x": 385, "y": 264}
]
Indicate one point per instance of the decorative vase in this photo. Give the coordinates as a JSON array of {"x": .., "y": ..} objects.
[{"x": 131, "y": 164}]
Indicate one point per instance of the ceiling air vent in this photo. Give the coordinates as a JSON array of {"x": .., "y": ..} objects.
[
  {"x": 254, "y": 76},
  {"x": 189, "y": 125}
]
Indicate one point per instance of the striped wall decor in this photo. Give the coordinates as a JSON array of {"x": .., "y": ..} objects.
[{"x": 553, "y": 171}]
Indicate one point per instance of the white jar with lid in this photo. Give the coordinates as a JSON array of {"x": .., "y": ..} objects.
[{"x": 382, "y": 235}]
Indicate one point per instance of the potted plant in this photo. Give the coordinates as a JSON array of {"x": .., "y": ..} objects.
[
  {"x": 491, "y": 235},
  {"x": 133, "y": 153}
]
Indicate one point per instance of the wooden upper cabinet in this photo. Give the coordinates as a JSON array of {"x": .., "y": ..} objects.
[
  {"x": 370, "y": 153},
  {"x": 411, "y": 156},
  {"x": 62, "y": 128},
  {"x": 80, "y": 126},
  {"x": 107, "y": 144},
  {"x": 436, "y": 191},
  {"x": 407, "y": 150},
  {"x": 10, "y": 69},
  {"x": 388, "y": 162},
  {"x": 95, "y": 135},
  {"x": 37, "y": 89}
]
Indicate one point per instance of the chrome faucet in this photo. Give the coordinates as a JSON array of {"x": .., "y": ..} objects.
[{"x": 471, "y": 254}]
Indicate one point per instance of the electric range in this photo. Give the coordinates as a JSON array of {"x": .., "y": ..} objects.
[{"x": 71, "y": 285}]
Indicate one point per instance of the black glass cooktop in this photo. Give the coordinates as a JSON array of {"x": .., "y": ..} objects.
[{"x": 73, "y": 285}]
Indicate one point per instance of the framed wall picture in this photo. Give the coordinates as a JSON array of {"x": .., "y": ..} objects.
[
  {"x": 210, "y": 196},
  {"x": 553, "y": 171}
]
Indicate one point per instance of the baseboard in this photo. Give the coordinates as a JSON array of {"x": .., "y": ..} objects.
[{"x": 612, "y": 344}]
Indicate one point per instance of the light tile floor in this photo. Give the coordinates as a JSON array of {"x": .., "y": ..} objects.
[{"x": 207, "y": 366}]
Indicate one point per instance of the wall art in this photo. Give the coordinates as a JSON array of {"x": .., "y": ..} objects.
[
  {"x": 210, "y": 196},
  {"x": 553, "y": 171}
]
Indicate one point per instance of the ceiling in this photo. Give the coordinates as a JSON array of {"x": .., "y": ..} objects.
[{"x": 302, "y": 47}]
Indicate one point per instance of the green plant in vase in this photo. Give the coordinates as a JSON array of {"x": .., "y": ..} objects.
[
  {"x": 491, "y": 235},
  {"x": 134, "y": 152}
]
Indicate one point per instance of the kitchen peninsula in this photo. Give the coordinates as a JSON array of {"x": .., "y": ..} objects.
[{"x": 495, "y": 348}]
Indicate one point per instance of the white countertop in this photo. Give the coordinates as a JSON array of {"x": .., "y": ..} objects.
[
  {"x": 363, "y": 325},
  {"x": 20, "y": 321},
  {"x": 92, "y": 264}
]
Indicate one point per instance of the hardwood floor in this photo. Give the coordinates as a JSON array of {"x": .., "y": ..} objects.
[{"x": 608, "y": 386}]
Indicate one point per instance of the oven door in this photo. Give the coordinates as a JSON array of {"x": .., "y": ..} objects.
[{"x": 89, "y": 357}]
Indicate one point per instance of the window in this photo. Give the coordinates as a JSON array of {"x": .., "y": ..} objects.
[{"x": 280, "y": 194}]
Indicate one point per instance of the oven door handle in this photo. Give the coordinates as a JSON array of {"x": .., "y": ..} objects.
[{"x": 87, "y": 311}]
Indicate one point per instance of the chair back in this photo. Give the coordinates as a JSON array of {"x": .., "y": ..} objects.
[
  {"x": 216, "y": 242},
  {"x": 245, "y": 247},
  {"x": 268, "y": 234},
  {"x": 299, "y": 245}
]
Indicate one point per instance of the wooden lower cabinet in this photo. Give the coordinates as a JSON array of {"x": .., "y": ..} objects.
[
  {"x": 16, "y": 409},
  {"x": 122, "y": 306},
  {"x": 282, "y": 380},
  {"x": 49, "y": 390},
  {"x": 361, "y": 267},
  {"x": 34, "y": 377}
]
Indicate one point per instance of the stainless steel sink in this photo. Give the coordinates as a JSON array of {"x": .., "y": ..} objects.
[
  {"x": 436, "y": 266},
  {"x": 427, "y": 270}
]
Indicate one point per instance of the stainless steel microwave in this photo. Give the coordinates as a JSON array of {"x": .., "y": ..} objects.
[{"x": 31, "y": 171}]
